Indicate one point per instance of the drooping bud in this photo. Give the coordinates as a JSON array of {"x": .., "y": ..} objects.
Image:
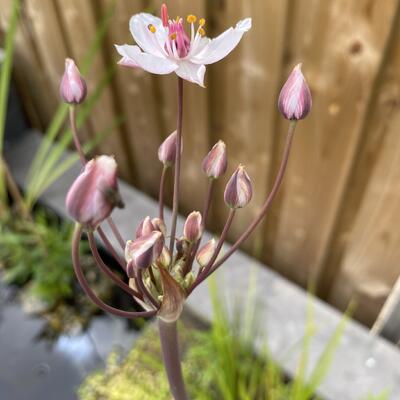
[
  {"x": 94, "y": 193},
  {"x": 193, "y": 229},
  {"x": 159, "y": 225},
  {"x": 173, "y": 298},
  {"x": 215, "y": 162},
  {"x": 165, "y": 258},
  {"x": 238, "y": 191},
  {"x": 73, "y": 87},
  {"x": 167, "y": 150},
  {"x": 144, "y": 228},
  {"x": 295, "y": 98},
  {"x": 204, "y": 255},
  {"x": 145, "y": 250},
  {"x": 164, "y": 15}
]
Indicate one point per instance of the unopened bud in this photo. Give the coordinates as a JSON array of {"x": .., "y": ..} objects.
[
  {"x": 295, "y": 98},
  {"x": 73, "y": 87},
  {"x": 167, "y": 150},
  {"x": 238, "y": 191},
  {"x": 165, "y": 258},
  {"x": 193, "y": 229},
  {"x": 144, "y": 228},
  {"x": 145, "y": 250},
  {"x": 206, "y": 252},
  {"x": 215, "y": 162},
  {"x": 159, "y": 225},
  {"x": 94, "y": 193}
]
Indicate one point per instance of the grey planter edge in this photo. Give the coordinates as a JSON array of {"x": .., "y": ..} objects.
[{"x": 362, "y": 363}]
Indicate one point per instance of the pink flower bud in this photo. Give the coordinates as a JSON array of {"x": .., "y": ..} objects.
[
  {"x": 204, "y": 255},
  {"x": 165, "y": 257},
  {"x": 192, "y": 229},
  {"x": 144, "y": 228},
  {"x": 167, "y": 150},
  {"x": 295, "y": 98},
  {"x": 215, "y": 163},
  {"x": 145, "y": 250},
  {"x": 73, "y": 87},
  {"x": 159, "y": 225},
  {"x": 238, "y": 191},
  {"x": 94, "y": 193}
]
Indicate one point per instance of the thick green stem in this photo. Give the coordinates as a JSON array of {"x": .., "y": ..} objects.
[{"x": 172, "y": 363}]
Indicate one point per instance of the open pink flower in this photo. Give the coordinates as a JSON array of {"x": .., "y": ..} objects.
[{"x": 163, "y": 46}]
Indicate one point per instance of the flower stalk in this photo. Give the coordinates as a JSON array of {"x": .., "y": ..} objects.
[
  {"x": 175, "y": 201},
  {"x": 170, "y": 350}
]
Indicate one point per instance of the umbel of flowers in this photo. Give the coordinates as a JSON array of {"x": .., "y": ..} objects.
[{"x": 163, "y": 266}]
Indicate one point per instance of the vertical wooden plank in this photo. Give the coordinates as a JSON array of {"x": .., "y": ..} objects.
[
  {"x": 32, "y": 82},
  {"x": 341, "y": 45},
  {"x": 243, "y": 93},
  {"x": 367, "y": 244},
  {"x": 135, "y": 99},
  {"x": 73, "y": 14}
]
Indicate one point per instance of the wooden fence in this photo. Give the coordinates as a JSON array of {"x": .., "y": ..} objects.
[{"x": 336, "y": 218}]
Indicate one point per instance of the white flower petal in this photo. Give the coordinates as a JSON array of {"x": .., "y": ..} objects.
[
  {"x": 156, "y": 65},
  {"x": 191, "y": 72},
  {"x": 152, "y": 43},
  {"x": 222, "y": 45}
]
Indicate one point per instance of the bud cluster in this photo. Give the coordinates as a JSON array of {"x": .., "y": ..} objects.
[{"x": 163, "y": 276}]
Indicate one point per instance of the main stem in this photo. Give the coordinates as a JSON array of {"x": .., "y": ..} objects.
[
  {"x": 172, "y": 363},
  {"x": 177, "y": 165}
]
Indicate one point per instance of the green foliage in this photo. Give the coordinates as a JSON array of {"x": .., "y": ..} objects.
[
  {"x": 5, "y": 77},
  {"x": 37, "y": 251},
  {"x": 219, "y": 363}
]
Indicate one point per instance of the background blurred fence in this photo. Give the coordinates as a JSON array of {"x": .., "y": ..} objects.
[{"x": 336, "y": 220}]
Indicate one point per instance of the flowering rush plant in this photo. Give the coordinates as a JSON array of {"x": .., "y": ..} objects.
[{"x": 163, "y": 267}]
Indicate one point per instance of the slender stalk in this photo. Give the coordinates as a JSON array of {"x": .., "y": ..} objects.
[
  {"x": 79, "y": 149},
  {"x": 170, "y": 351},
  {"x": 261, "y": 214},
  {"x": 116, "y": 233},
  {"x": 75, "y": 137},
  {"x": 142, "y": 287},
  {"x": 177, "y": 166},
  {"x": 89, "y": 292},
  {"x": 205, "y": 272},
  {"x": 267, "y": 204},
  {"x": 206, "y": 210},
  {"x": 161, "y": 193},
  {"x": 111, "y": 248},
  {"x": 107, "y": 271}
]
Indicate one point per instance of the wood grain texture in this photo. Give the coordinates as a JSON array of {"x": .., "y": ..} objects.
[
  {"x": 341, "y": 44},
  {"x": 243, "y": 99},
  {"x": 367, "y": 245},
  {"x": 136, "y": 100},
  {"x": 73, "y": 14}
]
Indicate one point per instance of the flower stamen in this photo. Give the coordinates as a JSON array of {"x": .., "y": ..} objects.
[
  {"x": 191, "y": 19},
  {"x": 202, "y": 22},
  {"x": 152, "y": 28},
  {"x": 202, "y": 32}
]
